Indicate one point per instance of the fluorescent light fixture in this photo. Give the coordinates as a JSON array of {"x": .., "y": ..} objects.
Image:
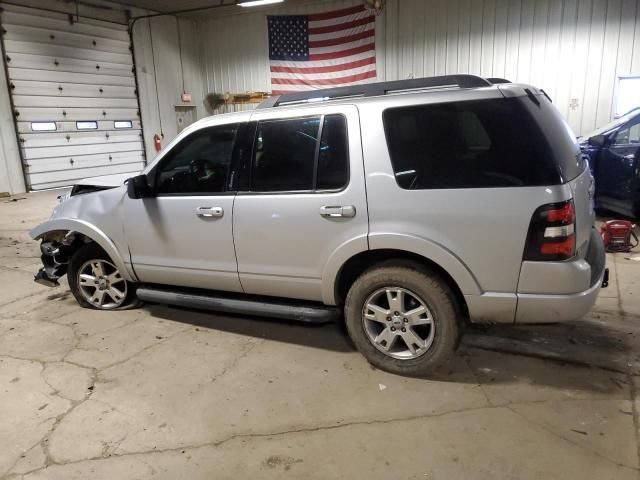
[
  {"x": 257, "y": 3},
  {"x": 123, "y": 124},
  {"x": 43, "y": 126},
  {"x": 90, "y": 125}
]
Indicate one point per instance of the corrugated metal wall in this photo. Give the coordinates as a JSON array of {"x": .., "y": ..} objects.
[
  {"x": 574, "y": 49},
  {"x": 168, "y": 63}
]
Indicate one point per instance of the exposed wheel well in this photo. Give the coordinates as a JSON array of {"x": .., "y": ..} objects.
[
  {"x": 357, "y": 264},
  {"x": 72, "y": 240}
]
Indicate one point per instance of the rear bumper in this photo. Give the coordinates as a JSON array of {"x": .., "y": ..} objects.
[
  {"x": 544, "y": 307},
  {"x": 556, "y": 308}
]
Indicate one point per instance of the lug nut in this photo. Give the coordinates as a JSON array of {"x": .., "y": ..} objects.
[
  {"x": 396, "y": 314},
  {"x": 404, "y": 329},
  {"x": 388, "y": 319},
  {"x": 393, "y": 329},
  {"x": 405, "y": 320}
]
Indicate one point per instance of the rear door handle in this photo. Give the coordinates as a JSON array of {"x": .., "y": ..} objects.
[
  {"x": 209, "y": 211},
  {"x": 334, "y": 211}
]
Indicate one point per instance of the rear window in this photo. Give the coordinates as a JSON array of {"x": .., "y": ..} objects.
[{"x": 478, "y": 144}]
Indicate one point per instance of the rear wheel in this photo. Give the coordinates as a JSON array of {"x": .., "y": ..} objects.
[
  {"x": 97, "y": 283},
  {"x": 403, "y": 318}
]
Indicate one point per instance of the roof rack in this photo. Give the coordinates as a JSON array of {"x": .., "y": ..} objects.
[
  {"x": 494, "y": 80},
  {"x": 376, "y": 89}
]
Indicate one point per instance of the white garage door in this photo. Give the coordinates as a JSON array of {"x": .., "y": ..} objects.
[{"x": 74, "y": 96}]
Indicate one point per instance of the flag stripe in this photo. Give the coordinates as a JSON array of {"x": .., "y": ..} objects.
[
  {"x": 326, "y": 75},
  {"x": 340, "y": 48},
  {"x": 341, "y": 40},
  {"x": 342, "y": 53},
  {"x": 325, "y": 81},
  {"x": 336, "y": 13},
  {"x": 342, "y": 33},
  {"x": 341, "y": 26},
  {"x": 283, "y": 89},
  {"x": 334, "y": 21},
  {"x": 309, "y": 64},
  {"x": 325, "y": 69}
]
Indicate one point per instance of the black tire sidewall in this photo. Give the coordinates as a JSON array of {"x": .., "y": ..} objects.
[{"x": 438, "y": 298}]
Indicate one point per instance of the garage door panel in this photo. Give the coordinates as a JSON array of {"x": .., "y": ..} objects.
[
  {"x": 14, "y": 46},
  {"x": 70, "y": 83},
  {"x": 32, "y": 140},
  {"x": 74, "y": 102},
  {"x": 70, "y": 127},
  {"x": 33, "y": 153},
  {"x": 45, "y": 165},
  {"x": 43, "y": 35},
  {"x": 23, "y": 16},
  {"x": 41, "y": 181},
  {"x": 67, "y": 77},
  {"x": 32, "y": 114},
  {"x": 65, "y": 89},
  {"x": 73, "y": 65}
]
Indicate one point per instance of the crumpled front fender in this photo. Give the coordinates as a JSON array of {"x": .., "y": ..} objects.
[{"x": 85, "y": 228}]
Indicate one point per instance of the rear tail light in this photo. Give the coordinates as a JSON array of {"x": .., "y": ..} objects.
[{"x": 552, "y": 233}]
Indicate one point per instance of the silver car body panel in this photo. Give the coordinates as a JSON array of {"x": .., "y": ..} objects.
[
  {"x": 285, "y": 248},
  {"x": 97, "y": 215},
  {"x": 171, "y": 243}
]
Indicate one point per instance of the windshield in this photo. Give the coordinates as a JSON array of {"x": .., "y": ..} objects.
[{"x": 614, "y": 123}]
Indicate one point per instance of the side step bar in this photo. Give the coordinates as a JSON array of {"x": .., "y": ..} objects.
[{"x": 298, "y": 311}]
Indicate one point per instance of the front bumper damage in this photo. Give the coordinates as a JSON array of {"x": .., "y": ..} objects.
[{"x": 55, "y": 260}]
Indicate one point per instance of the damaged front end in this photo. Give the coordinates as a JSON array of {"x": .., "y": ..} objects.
[{"x": 56, "y": 251}]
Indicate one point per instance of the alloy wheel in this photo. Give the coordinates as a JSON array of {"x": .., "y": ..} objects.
[
  {"x": 398, "y": 323},
  {"x": 101, "y": 284}
]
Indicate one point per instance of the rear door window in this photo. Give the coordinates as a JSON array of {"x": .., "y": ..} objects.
[
  {"x": 472, "y": 144},
  {"x": 296, "y": 154}
]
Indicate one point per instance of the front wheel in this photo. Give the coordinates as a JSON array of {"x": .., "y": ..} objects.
[
  {"x": 96, "y": 282},
  {"x": 402, "y": 318}
]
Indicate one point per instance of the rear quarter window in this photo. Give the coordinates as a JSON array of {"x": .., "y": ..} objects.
[{"x": 471, "y": 144}]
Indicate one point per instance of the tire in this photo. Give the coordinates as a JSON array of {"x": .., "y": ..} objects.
[
  {"x": 82, "y": 262},
  {"x": 438, "y": 327}
]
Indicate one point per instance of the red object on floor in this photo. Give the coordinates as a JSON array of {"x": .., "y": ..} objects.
[{"x": 618, "y": 236}]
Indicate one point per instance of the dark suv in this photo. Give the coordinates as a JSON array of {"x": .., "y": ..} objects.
[{"x": 614, "y": 157}]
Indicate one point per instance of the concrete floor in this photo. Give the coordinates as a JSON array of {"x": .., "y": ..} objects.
[{"x": 167, "y": 393}]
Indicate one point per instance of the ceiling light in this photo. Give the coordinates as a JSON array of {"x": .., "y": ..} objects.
[{"x": 257, "y": 3}]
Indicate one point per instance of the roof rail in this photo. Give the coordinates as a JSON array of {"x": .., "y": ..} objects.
[
  {"x": 376, "y": 89},
  {"x": 494, "y": 80}
]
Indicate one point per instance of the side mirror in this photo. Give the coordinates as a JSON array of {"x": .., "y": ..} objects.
[
  {"x": 597, "y": 140},
  {"x": 138, "y": 187}
]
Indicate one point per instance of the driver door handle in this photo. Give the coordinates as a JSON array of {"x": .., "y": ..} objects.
[
  {"x": 331, "y": 211},
  {"x": 209, "y": 211}
]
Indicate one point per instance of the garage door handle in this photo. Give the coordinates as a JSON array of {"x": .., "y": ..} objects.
[
  {"x": 209, "y": 211},
  {"x": 331, "y": 211}
]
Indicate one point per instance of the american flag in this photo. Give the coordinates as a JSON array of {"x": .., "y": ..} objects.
[{"x": 331, "y": 49}]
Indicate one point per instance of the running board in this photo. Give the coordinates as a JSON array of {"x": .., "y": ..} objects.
[{"x": 295, "y": 310}]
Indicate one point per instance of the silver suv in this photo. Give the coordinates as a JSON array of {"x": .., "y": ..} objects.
[{"x": 407, "y": 208}]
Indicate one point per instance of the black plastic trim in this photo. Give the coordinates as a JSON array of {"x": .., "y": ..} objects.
[
  {"x": 299, "y": 311},
  {"x": 377, "y": 89}
]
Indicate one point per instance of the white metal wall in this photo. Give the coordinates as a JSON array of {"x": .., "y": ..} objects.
[
  {"x": 168, "y": 61},
  {"x": 574, "y": 49}
]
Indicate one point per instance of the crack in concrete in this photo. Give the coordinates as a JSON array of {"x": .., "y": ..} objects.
[
  {"x": 568, "y": 440},
  {"x": 219, "y": 443},
  {"x": 252, "y": 346},
  {"x": 307, "y": 430},
  {"x": 44, "y": 442},
  {"x": 477, "y": 378},
  {"x": 145, "y": 349}
]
